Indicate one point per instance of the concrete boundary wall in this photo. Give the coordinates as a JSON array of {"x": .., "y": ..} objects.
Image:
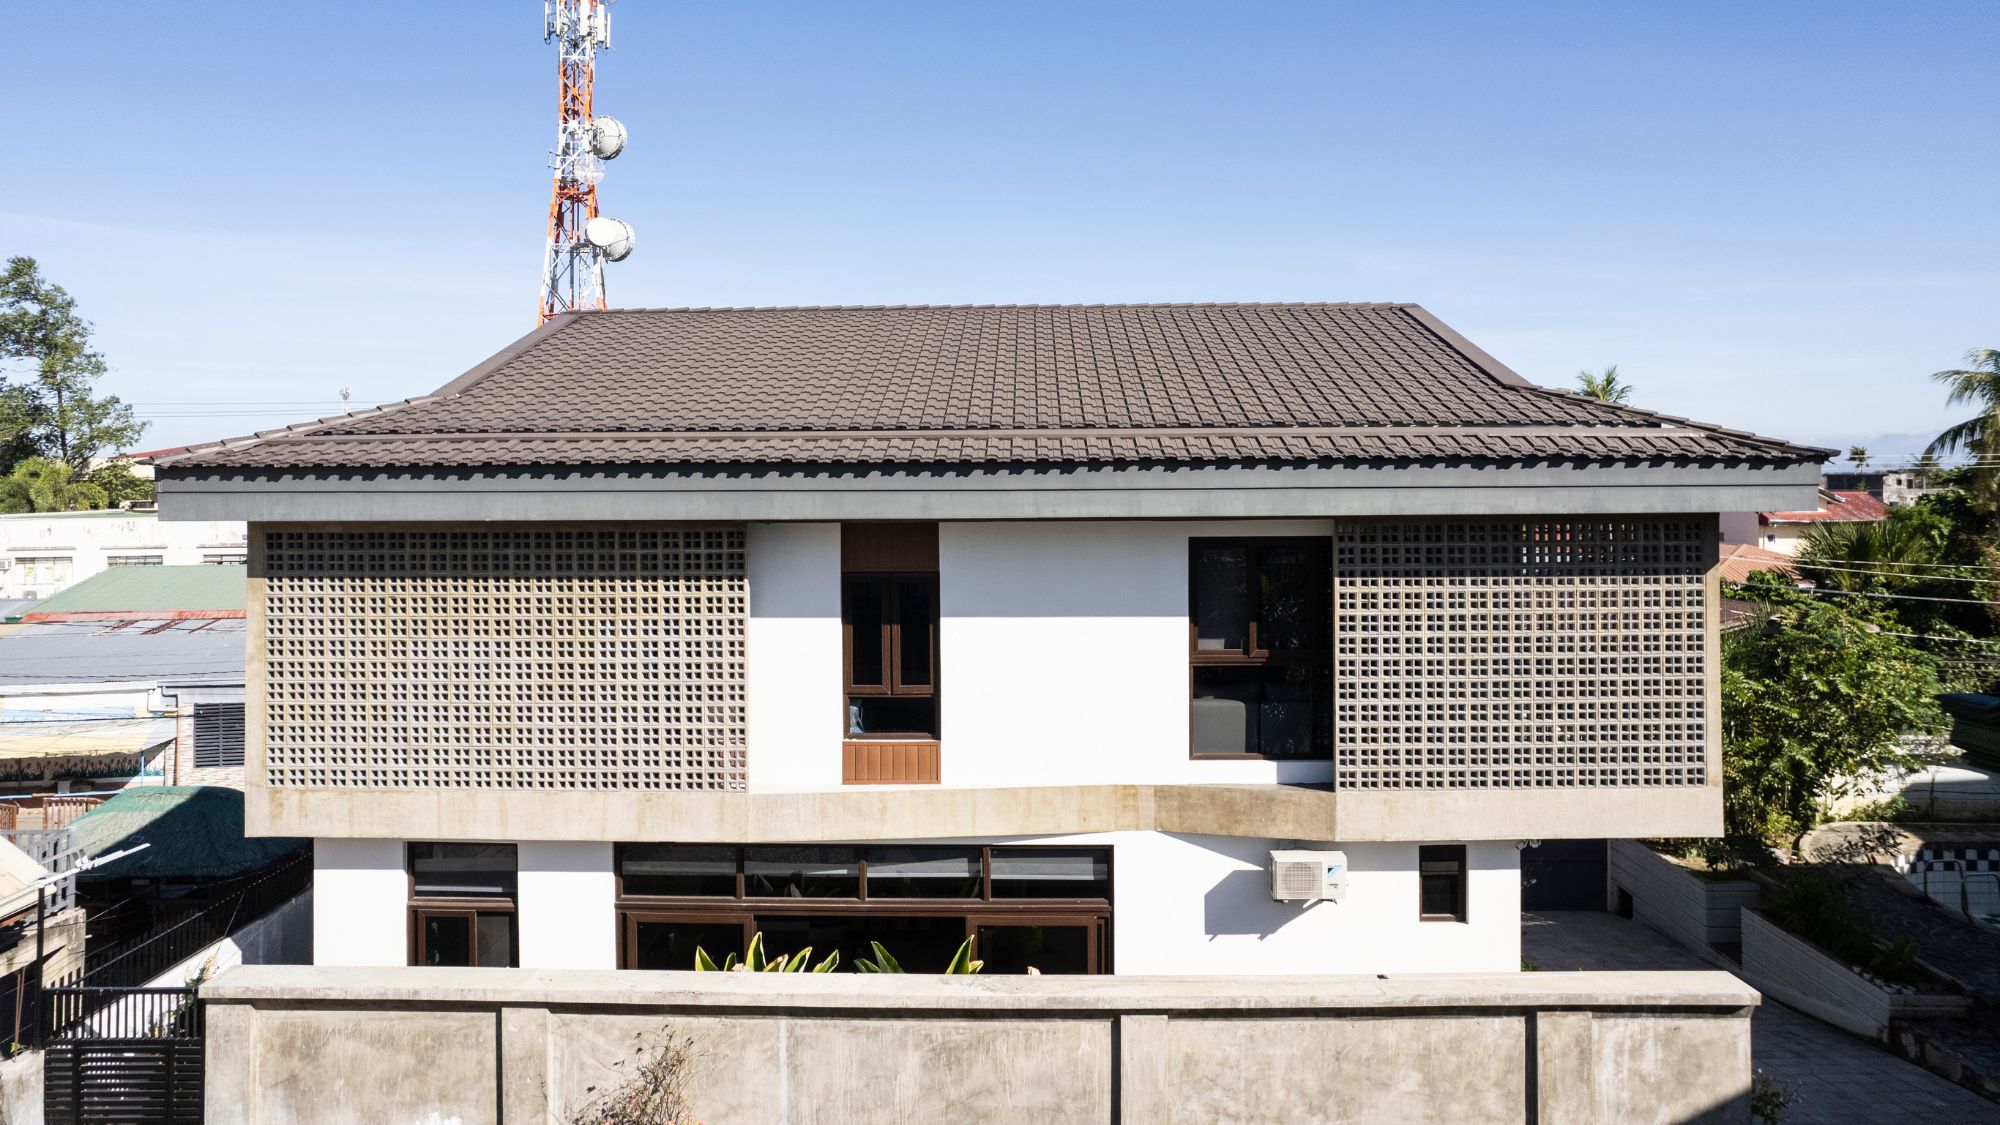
[
  {"x": 1795, "y": 972},
  {"x": 486, "y": 1046},
  {"x": 1697, "y": 912}
]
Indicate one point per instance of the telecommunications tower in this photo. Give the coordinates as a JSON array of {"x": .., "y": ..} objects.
[{"x": 580, "y": 240}]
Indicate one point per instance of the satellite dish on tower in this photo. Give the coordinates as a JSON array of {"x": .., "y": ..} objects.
[
  {"x": 611, "y": 237},
  {"x": 607, "y": 137}
]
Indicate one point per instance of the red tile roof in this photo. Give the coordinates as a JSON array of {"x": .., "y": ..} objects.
[{"x": 1835, "y": 507}]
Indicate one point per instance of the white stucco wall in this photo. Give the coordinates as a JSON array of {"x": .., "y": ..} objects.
[
  {"x": 361, "y": 898},
  {"x": 1063, "y": 652},
  {"x": 32, "y": 545},
  {"x": 793, "y": 683},
  {"x": 1180, "y": 905},
  {"x": 1202, "y": 904},
  {"x": 564, "y": 902}
]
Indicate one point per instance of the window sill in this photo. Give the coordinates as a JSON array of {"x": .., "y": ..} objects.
[
  {"x": 1194, "y": 757},
  {"x": 889, "y": 761}
]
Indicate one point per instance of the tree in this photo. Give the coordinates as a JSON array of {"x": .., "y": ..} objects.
[
  {"x": 1858, "y": 455},
  {"x": 54, "y": 412},
  {"x": 1978, "y": 435},
  {"x": 37, "y": 485},
  {"x": 1604, "y": 386},
  {"x": 1815, "y": 701},
  {"x": 121, "y": 485}
]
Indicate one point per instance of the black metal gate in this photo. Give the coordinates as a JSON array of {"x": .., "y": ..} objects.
[{"x": 119, "y": 1055}]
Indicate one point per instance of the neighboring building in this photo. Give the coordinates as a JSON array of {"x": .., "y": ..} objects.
[
  {"x": 1740, "y": 560},
  {"x": 1785, "y": 532},
  {"x": 1894, "y": 487},
  {"x": 44, "y": 553},
  {"x": 1044, "y": 626},
  {"x": 132, "y": 677}
]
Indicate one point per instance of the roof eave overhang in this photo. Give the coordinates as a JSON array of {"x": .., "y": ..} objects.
[{"x": 805, "y": 492}]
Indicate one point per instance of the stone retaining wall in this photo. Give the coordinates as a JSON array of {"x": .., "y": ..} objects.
[{"x": 482, "y": 1046}]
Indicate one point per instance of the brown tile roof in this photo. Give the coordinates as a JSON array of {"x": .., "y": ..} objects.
[
  {"x": 1834, "y": 507},
  {"x": 1740, "y": 560},
  {"x": 1018, "y": 384}
]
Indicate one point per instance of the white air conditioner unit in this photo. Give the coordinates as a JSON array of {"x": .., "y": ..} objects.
[{"x": 1308, "y": 876}]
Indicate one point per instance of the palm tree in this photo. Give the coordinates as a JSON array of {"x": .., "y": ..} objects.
[
  {"x": 1865, "y": 555},
  {"x": 1858, "y": 456},
  {"x": 37, "y": 485},
  {"x": 1978, "y": 435},
  {"x": 1603, "y": 386}
]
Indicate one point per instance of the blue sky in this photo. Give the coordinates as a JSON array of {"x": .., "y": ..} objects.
[{"x": 1776, "y": 216}]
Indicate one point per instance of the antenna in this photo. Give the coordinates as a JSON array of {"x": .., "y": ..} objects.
[{"x": 580, "y": 241}]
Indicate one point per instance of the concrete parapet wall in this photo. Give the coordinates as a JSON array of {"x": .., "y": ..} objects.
[
  {"x": 479, "y": 1046},
  {"x": 1794, "y": 971},
  {"x": 1694, "y": 911}
]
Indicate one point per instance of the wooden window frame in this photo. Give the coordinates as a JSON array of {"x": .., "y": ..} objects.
[
  {"x": 1251, "y": 655},
  {"x": 892, "y": 557},
  {"x": 744, "y": 909},
  {"x": 1461, "y": 877},
  {"x": 421, "y": 907}
]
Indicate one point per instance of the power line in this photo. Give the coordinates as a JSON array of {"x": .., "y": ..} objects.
[{"x": 1901, "y": 597}]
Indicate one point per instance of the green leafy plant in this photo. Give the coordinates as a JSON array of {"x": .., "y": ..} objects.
[
  {"x": 656, "y": 1093},
  {"x": 754, "y": 961},
  {"x": 1769, "y": 1099},
  {"x": 1814, "y": 907},
  {"x": 962, "y": 963}
]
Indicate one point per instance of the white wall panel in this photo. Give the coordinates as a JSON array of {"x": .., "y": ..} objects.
[{"x": 361, "y": 900}]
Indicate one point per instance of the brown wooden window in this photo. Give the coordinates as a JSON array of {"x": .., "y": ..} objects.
[
  {"x": 462, "y": 904},
  {"x": 1441, "y": 882},
  {"x": 889, "y": 632},
  {"x": 1260, "y": 636},
  {"x": 1046, "y": 908}
]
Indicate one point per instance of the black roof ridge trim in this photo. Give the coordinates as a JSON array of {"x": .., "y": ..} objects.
[
  {"x": 1517, "y": 429},
  {"x": 576, "y": 313}
]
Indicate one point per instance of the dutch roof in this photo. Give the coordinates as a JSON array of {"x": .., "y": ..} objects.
[{"x": 988, "y": 385}]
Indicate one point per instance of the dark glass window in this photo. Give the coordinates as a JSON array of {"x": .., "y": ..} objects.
[
  {"x": 671, "y": 945},
  {"x": 1046, "y": 907},
  {"x": 923, "y": 873},
  {"x": 891, "y": 622},
  {"x": 1051, "y": 873},
  {"x": 1045, "y": 948},
  {"x": 1441, "y": 882},
  {"x": 462, "y": 904},
  {"x": 460, "y": 870},
  {"x": 780, "y": 872},
  {"x": 1261, "y": 640},
  {"x": 677, "y": 869}
]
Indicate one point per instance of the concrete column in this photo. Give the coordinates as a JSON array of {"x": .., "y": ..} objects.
[
  {"x": 524, "y": 1067},
  {"x": 1565, "y": 1087},
  {"x": 567, "y": 916},
  {"x": 1144, "y": 1082},
  {"x": 229, "y": 1066}
]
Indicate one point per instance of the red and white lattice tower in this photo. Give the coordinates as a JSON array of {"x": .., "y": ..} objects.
[{"x": 580, "y": 240}]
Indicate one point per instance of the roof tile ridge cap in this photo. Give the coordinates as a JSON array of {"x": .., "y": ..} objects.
[
  {"x": 1479, "y": 357},
  {"x": 1689, "y": 423},
  {"x": 989, "y": 306}
]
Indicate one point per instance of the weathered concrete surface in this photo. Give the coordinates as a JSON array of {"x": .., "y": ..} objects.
[
  {"x": 935, "y": 812},
  {"x": 492, "y": 1045},
  {"x": 21, "y": 1089}
]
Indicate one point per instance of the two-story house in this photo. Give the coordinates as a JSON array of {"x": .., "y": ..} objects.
[{"x": 1043, "y": 626}]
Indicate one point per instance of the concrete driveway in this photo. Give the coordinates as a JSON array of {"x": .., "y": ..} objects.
[{"x": 1838, "y": 1079}]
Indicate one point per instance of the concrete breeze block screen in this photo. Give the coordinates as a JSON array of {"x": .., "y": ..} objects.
[
  {"x": 1504, "y": 654},
  {"x": 511, "y": 657}
]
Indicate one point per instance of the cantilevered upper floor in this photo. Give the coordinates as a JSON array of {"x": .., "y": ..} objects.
[{"x": 1304, "y": 571}]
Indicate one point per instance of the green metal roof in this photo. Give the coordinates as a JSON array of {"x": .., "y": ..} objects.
[
  {"x": 154, "y": 589},
  {"x": 191, "y": 832}
]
